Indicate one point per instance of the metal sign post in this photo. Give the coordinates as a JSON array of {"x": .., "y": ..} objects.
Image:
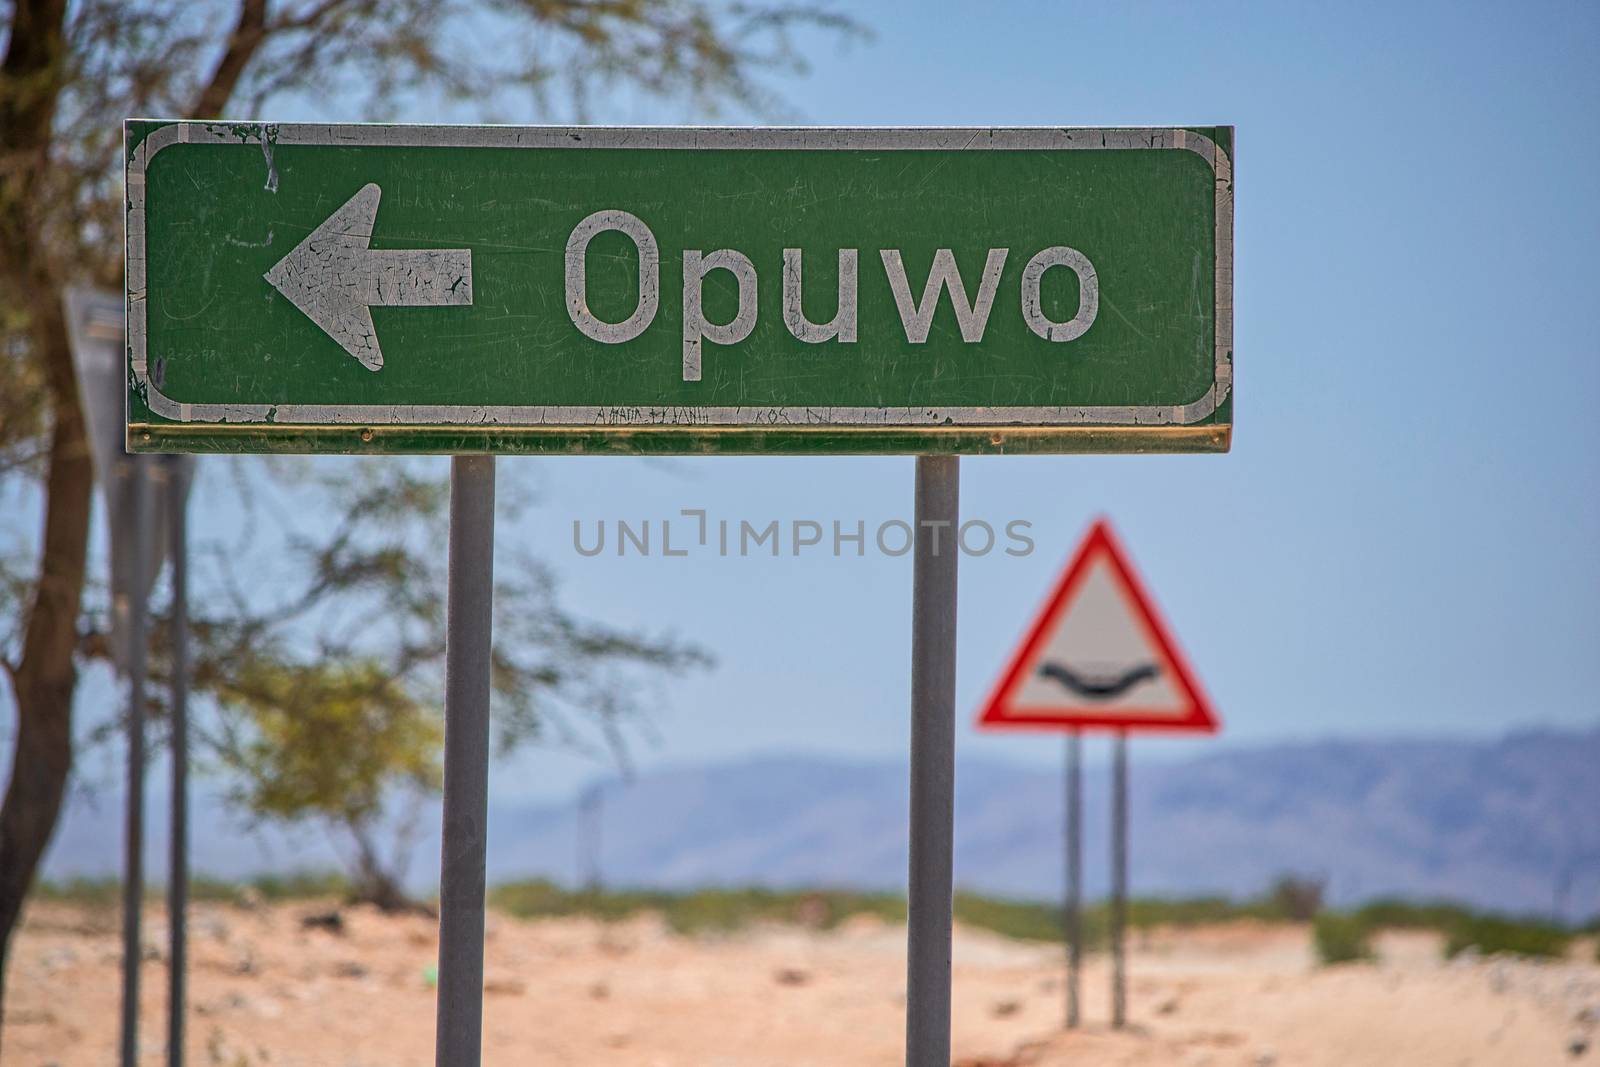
[
  {"x": 175, "y": 472},
  {"x": 1119, "y": 880},
  {"x": 464, "y": 850},
  {"x": 1072, "y": 918},
  {"x": 135, "y": 493},
  {"x": 933, "y": 755}
]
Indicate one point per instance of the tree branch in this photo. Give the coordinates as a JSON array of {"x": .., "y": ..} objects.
[{"x": 243, "y": 43}]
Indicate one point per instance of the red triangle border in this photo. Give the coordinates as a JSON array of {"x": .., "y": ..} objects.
[{"x": 998, "y": 714}]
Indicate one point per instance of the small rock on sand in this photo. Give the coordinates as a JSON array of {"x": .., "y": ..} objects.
[{"x": 330, "y": 921}]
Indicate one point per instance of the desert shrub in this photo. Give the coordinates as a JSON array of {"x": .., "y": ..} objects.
[
  {"x": 702, "y": 911},
  {"x": 1145, "y": 912},
  {"x": 1492, "y": 935},
  {"x": 1296, "y": 897},
  {"x": 84, "y": 892},
  {"x": 532, "y": 899},
  {"x": 1338, "y": 936},
  {"x": 828, "y": 908},
  {"x": 541, "y": 899},
  {"x": 213, "y": 890},
  {"x": 1023, "y": 920},
  {"x": 1341, "y": 937},
  {"x": 721, "y": 910},
  {"x": 301, "y": 885},
  {"x": 1396, "y": 914},
  {"x": 295, "y": 885},
  {"x": 1037, "y": 921}
]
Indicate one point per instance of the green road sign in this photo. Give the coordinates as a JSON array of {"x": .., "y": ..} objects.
[{"x": 303, "y": 288}]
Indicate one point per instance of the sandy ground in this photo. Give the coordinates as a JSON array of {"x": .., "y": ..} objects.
[{"x": 267, "y": 991}]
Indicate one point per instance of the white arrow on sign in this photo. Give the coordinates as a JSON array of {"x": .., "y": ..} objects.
[{"x": 334, "y": 277}]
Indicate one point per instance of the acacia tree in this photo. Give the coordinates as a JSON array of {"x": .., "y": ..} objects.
[
  {"x": 70, "y": 73},
  {"x": 336, "y": 741}
]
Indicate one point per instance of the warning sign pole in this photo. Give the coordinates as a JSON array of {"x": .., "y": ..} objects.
[
  {"x": 1072, "y": 912},
  {"x": 1119, "y": 880}
]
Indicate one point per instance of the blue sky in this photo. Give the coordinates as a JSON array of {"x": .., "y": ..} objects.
[{"x": 1404, "y": 537}]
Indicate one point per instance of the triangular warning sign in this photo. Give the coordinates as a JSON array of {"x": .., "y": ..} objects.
[{"x": 1099, "y": 656}]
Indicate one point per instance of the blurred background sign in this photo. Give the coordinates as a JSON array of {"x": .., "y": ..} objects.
[
  {"x": 95, "y": 319},
  {"x": 1099, "y": 656}
]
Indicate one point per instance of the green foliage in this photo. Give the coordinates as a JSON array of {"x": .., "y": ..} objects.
[
  {"x": 105, "y": 893},
  {"x": 541, "y": 899},
  {"x": 1591, "y": 928},
  {"x": 1021, "y": 919},
  {"x": 1397, "y": 914},
  {"x": 95, "y": 893},
  {"x": 327, "y": 739},
  {"x": 301, "y": 885},
  {"x": 724, "y": 910},
  {"x": 211, "y": 890},
  {"x": 1146, "y": 912},
  {"x": 295, "y": 885},
  {"x": 1465, "y": 928},
  {"x": 1038, "y": 921},
  {"x": 729, "y": 909},
  {"x": 1341, "y": 937},
  {"x": 1495, "y": 935},
  {"x": 702, "y": 911}
]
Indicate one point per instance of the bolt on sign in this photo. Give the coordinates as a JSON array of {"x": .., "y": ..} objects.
[{"x": 370, "y": 288}]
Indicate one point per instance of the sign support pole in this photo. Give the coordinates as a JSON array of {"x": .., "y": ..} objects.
[
  {"x": 933, "y": 678},
  {"x": 135, "y": 492},
  {"x": 1072, "y": 919},
  {"x": 1119, "y": 883},
  {"x": 178, "y": 871},
  {"x": 459, "y": 1035}
]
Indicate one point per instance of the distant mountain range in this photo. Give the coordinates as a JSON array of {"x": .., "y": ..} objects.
[{"x": 1512, "y": 824}]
